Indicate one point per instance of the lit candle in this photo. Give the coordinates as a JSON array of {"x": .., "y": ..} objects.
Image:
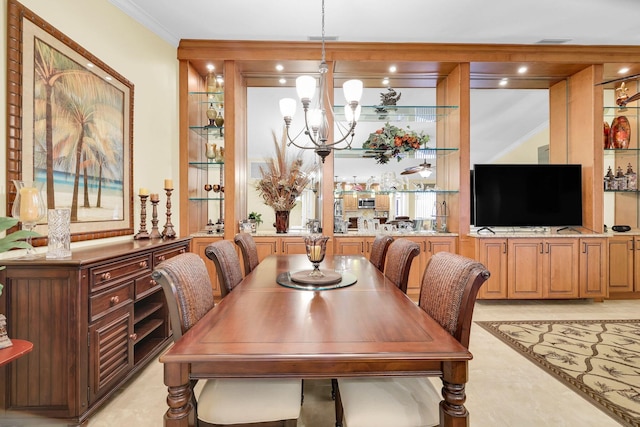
[
  {"x": 168, "y": 184},
  {"x": 154, "y": 197},
  {"x": 315, "y": 253},
  {"x": 29, "y": 211},
  {"x": 143, "y": 191}
]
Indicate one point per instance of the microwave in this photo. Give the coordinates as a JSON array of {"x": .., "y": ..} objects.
[{"x": 366, "y": 203}]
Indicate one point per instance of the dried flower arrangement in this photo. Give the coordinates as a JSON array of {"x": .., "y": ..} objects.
[
  {"x": 392, "y": 141},
  {"x": 284, "y": 177}
]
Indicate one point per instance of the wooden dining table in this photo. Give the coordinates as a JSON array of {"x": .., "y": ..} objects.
[{"x": 265, "y": 330}]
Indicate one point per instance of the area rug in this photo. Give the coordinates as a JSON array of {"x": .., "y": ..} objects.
[{"x": 598, "y": 359}]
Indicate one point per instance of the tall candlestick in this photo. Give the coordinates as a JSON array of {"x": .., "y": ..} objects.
[
  {"x": 143, "y": 234},
  {"x": 143, "y": 191},
  {"x": 155, "y": 234},
  {"x": 168, "y": 232}
]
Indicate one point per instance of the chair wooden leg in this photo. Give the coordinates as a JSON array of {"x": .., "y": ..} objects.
[
  {"x": 338, "y": 403},
  {"x": 334, "y": 386}
]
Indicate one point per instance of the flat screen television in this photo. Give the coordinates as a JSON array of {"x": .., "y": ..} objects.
[{"x": 527, "y": 195}]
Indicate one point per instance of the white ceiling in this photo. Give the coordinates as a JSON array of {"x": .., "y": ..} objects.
[
  {"x": 591, "y": 22},
  {"x": 499, "y": 118}
]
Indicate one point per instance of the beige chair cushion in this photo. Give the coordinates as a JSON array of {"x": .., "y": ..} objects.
[
  {"x": 384, "y": 402},
  {"x": 240, "y": 401}
]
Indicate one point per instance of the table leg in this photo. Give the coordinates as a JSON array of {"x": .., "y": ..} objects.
[
  {"x": 180, "y": 412},
  {"x": 452, "y": 410}
]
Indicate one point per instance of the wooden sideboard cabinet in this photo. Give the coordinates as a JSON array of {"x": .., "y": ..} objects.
[
  {"x": 95, "y": 319},
  {"x": 544, "y": 268},
  {"x": 624, "y": 266}
]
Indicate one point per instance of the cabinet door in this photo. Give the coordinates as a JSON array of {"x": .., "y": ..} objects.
[
  {"x": 293, "y": 245},
  {"x": 198, "y": 246},
  {"x": 561, "y": 272},
  {"x": 382, "y": 202},
  {"x": 621, "y": 264},
  {"x": 524, "y": 270},
  {"x": 350, "y": 246},
  {"x": 417, "y": 267},
  {"x": 350, "y": 202},
  {"x": 266, "y": 246},
  {"x": 492, "y": 253},
  {"x": 636, "y": 264},
  {"x": 110, "y": 351},
  {"x": 593, "y": 268}
]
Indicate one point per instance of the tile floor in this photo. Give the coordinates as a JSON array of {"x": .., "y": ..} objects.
[{"x": 505, "y": 389}]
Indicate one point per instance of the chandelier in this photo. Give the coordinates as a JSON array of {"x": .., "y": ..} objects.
[{"x": 316, "y": 124}]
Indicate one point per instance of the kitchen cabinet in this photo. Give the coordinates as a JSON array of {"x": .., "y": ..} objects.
[
  {"x": 624, "y": 266},
  {"x": 349, "y": 201},
  {"x": 95, "y": 320},
  {"x": 382, "y": 202}
]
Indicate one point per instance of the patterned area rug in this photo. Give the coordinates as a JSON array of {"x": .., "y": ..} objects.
[{"x": 598, "y": 359}]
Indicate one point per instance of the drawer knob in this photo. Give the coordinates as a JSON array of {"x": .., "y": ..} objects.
[
  {"x": 161, "y": 257},
  {"x": 106, "y": 276},
  {"x": 183, "y": 250},
  {"x": 153, "y": 282},
  {"x": 133, "y": 336},
  {"x": 143, "y": 264},
  {"x": 114, "y": 300}
]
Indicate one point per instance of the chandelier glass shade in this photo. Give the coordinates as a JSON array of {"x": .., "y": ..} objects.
[{"x": 318, "y": 115}]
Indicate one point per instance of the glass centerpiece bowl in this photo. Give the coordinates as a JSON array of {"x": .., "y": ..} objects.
[
  {"x": 29, "y": 208},
  {"x": 316, "y": 246}
]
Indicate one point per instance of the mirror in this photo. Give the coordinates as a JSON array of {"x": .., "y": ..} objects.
[{"x": 263, "y": 118}]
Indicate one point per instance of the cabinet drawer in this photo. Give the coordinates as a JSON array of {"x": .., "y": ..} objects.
[
  {"x": 109, "y": 301},
  {"x": 160, "y": 256},
  {"x": 145, "y": 285},
  {"x": 109, "y": 274}
]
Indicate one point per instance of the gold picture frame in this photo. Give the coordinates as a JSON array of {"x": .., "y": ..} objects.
[{"x": 69, "y": 126}]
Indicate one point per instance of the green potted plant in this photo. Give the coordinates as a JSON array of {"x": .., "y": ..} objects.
[{"x": 255, "y": 219}]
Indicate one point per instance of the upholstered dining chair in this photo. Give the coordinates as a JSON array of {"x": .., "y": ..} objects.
[
  {"x": 402, "y": 252},
  {"x": 448, "y": 293},
  {"x": 379, "y": 250},
  {"x": 249, "y": 251},
  {"x": 238, "y": 402},
  {"x": 224, "y": 256}
]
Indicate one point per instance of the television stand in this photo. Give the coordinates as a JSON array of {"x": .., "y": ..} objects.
[
  {"x": 485, "y": 228},
  {"x": 568, "y": 228}
]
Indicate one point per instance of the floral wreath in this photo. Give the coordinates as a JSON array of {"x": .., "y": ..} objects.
[{"x": 392, "y": 141}]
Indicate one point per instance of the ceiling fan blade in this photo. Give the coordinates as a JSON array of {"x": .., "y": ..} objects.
[{"x": 416, "y": 169}]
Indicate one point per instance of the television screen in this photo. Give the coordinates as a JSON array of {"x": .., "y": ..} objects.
[{"x": 527, "y": 195}]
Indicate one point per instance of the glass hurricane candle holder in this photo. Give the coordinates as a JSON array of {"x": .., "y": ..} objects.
[
  {"x": 316, "y": 246},
  {"x": 28, "y": 207}
]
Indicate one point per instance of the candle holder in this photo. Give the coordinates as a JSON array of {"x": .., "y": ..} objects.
[
  {"x": 142, "y": 234},
  {"x": 155, "y": 233},
  {"x": 29, "y": 208},
  {"x": 316, "y": 246},
  {"x": 168, "y": 232}
]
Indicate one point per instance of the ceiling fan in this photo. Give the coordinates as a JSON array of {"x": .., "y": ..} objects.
[
  {"x": 424, "y": 169},
  {"x": 622, "y": 95}
]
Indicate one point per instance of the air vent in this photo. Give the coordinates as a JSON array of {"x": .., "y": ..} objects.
[
  {"x": 326, "y": 38},
  {"x": 553, "y": 41}
]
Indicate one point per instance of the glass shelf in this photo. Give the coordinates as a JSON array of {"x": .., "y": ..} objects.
[
  {"x": 423, "y": 153},
  {"x": 206, "y": 131},
  {"x": 613, "y": 111},
  {"x": 368, "y": 193},
  {"x": 612, "y": 151},
  {"x": 207, "y": 199},
  {"x": 398, "y": 113},
  {"x": 206, "y": 165}
]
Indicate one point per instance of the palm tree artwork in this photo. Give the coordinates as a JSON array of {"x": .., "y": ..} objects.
[{"x": 78, "y": 137}]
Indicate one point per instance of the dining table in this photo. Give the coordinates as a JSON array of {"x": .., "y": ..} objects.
[{"x": 362, "y": 326}]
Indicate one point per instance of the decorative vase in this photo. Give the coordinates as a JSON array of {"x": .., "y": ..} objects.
[
  {"x": 620, "y": 133},
  {"x": 59, "y": 245},
  {"x": 607, "y": 141},
  {"x": 282, "y": 221},
  {"x": 28, "y": 207}
]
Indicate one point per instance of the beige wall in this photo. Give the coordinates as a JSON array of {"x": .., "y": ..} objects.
[
  {"x": 527, "y": 151},
  {"x": 140, "y": 56}
]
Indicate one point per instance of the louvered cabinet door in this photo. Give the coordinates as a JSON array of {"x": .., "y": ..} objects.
[{"x": 110, "y": 351}]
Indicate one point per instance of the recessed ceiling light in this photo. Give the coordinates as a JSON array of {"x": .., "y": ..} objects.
[
  {"x": 279, "y": 67},
  {"x": 108, "y": 78},
  {"x": 522, "y": 69},
  {"x": 89, "y": 64},
  {"x": 210, "y": 67},
  {"x": 385, "y": 81},
  {"x": 282, "y": 80},
  {"x": 623, "y": 70},
  {"x": 504, "y": 81},
  {"x": 392, "y": 69}
]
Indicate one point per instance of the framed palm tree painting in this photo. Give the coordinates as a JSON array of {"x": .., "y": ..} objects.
[{"x": 70, "y": 128}]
